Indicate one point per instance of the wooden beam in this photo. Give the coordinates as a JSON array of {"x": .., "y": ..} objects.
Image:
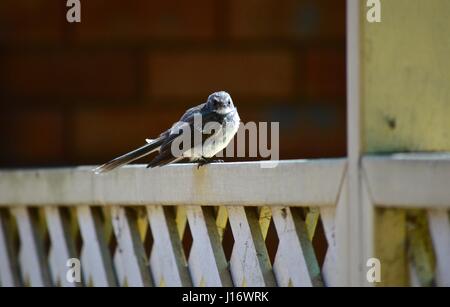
[
  {"x": 9, "y": 266},
  {"x": 409, "y": 180},
  {"x": 439, "y": 223},
  {"x": 291, "y": 183}
]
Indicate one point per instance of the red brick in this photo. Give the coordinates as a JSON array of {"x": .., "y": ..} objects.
[
  {"x": 31, "y": 21},
  {"x": 315, "y": 138},
  {"x": 243, "y": 74},
  {"x": 68, "y": 75},
  {"x": 141, "y": 20},
  {"x": 325, "y": 73},
  {"x": 31, "y": 137},
  {"x": 306, "y": 131},
  {"x": 287, "y": 19},
  {"x": 104, "y": 133}
]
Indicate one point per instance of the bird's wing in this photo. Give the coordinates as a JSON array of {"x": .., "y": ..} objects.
[
  {"x": 191, "y": 124},
  {"x": 165, "y": 155},
  {"x": 190, "y": 112}
]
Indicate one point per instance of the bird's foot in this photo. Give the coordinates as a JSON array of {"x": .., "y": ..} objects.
[{"x": 203, "y": 161}]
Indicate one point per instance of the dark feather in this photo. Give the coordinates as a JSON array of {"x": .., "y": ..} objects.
[
  {"x": 165, "y": 155},
  {"x": 129, "y": 157}
]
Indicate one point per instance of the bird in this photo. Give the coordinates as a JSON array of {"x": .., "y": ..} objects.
[{"x": 207, "y": 129}]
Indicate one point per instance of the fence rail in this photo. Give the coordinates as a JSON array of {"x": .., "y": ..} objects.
[
  {"x": 409, "y": 180},
  {"x": 292, "y": 183},
  {"x": 234, "y": 224}
]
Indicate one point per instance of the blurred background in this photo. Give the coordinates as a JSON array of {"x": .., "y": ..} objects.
[{"x": 83, "y": 93}]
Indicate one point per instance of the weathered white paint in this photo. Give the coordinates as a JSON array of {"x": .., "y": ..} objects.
[
  {"x": 118, "y": 266},
  {"x": 95, "y": 256},
  {"x": 134, "y": 261},
  {"x": 167, "y": 262},
  {"x": 329, "y": 267},
  {"x": 342, "y": 277},
  {"x": 417, "y": 181},
  {"x": 207, "y": 263},
  {"x": 249, "y": 263},
  {"x": 295, "y": 263},
  {"x": 34, "y": 264},
  {"x": 291, "y": 183},
  {"x": 409, "y": 180},
  {"x": 439, "y": 223},
  {"x": 62, "y": 249},
  {"x": 85, "y": 269},
  {"x": 356, "y": 219},
  {"x": 366, "y": 246},
  {"x": 54, "y": 267}
]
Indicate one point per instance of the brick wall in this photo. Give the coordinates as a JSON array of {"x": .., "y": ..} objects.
[{"x": 84, "y": 93}]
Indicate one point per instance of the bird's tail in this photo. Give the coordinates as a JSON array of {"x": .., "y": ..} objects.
[{"x": 152, "y": 146}]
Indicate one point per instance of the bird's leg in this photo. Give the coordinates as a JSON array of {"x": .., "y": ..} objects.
[{"x": 203, "y": 161}]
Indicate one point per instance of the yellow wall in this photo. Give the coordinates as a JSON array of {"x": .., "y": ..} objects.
[{"x": 406, "y": 77}]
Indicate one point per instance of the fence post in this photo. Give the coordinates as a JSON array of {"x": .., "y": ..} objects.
[
  {"x": 398, "y": 76},
  {"x": 354, "y": 213}
]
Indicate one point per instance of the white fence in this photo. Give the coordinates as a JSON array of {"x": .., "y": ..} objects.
[{"x": 232, "y": 224}]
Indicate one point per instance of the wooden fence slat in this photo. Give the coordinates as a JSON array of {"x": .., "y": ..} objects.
[
  {"x": 420, "y": 248},
  {"x": 207, "y": 263},
  {"x": 53, "y": 264},
  {"x": 116, "y": 255},
  {"x": 119, "y": 268},
  {"x": 295, "y": 261},
  {"x": 85, "y": 269},
  {"x": 167, "y": 261},
  {"x": 63, "y": 246},
  {"x": 34, "y": 263},
  {"x": 9, "y": 267},
  {"x": 329, "y": 267},
  {"x": 414, "y": 280},
  {"x": 342, "y": 235},
  {"x": 134, "y": 260},
  {"x": 249, "y": 264},
  {"x": 99, "y": 268},
  {"x": 391, "y": 223},
  {"x": 439, "y": 223}
]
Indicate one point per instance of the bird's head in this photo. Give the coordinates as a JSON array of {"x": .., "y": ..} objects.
[{"x": 220, "y": 102}]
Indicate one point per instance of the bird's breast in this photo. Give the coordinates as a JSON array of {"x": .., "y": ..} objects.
[{"x": 218, "y": 141}]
